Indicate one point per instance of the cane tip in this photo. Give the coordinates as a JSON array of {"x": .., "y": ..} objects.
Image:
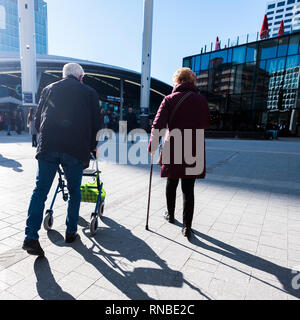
[{"x": 147, "y": 228}]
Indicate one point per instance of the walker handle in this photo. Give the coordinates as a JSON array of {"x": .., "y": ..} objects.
[{"x": 95, "y": 159}]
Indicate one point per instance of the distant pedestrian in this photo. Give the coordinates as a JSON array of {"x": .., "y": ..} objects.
[
  {"x": 31, "y": 127},
  {"x": 19, "y": 122},
  {"x": 7, "y": 121},
  {"x": 68, "y": 120},
  {"x": 282, "y": 129},
  {"x": 272, "y": 129},
  {"x": 107, "y": 125},
  {"x": 1, "y": 121},
  {"x": 183, "y": 109},
  {"x": 131, "y": 122}
]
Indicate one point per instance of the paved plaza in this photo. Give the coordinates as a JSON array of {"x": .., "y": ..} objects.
[{"x": 246, "y": 241}]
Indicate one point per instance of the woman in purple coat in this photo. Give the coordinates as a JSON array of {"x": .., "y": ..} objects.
[{"x": 186, "y": 114}]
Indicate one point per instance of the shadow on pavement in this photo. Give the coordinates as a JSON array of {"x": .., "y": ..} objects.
[
  {"x": 9, "y": 163},
  {"x": 284, "y": 275},
  {"x": 114, "y": 243},
  {"x": 46, "y": 285}
]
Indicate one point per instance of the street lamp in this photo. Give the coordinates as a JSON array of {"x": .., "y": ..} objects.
[{"x": 146, "y": 63}]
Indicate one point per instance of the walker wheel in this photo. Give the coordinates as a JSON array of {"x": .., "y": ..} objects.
[
  {"x": 94, "y": 225},
  {"x": 48, "y": 221},
  {"x": 101, "y": 210}
]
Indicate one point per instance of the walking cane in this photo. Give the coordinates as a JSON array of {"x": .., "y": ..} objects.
[{"x": 149, "y": 195}]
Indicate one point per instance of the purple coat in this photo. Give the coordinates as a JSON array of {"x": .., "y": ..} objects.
[{"x": 192, "y": 114}]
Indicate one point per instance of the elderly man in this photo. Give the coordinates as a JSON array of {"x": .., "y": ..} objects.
[{"x": 67, "y": 119}]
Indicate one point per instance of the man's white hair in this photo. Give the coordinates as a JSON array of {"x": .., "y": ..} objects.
[{"x": 73, "y": 69}]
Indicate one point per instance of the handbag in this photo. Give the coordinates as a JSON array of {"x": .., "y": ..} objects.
[{"x": 159, "y": 162}]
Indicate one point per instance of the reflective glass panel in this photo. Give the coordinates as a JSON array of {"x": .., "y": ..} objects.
[
  {"x": 293, "y": 61},
  {"x": 239, "y": 55},
  {"x": 2, "y": 17},
  {"x": 283, "y": 44},
  {"x": 205, "y": 62},
  {"x": 197, "y": 63},
  {"x": 275, "y": 65},
  {"x": 218, "y": 57},
  {"x": 294, "y": 44},
  {"x": 187, "y": 63},
  {"x": 268, "y": 49},
  {"x": 251, "y": 54}
]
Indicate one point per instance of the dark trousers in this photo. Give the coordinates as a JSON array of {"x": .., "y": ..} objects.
[
  {"x": 47, "y": 168},
  {"x": 187, "y": 186},
  {"x": 34, "y": 141}
]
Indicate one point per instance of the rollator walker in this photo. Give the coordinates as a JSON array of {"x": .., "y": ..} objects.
[{"x": 92, "y": 192}]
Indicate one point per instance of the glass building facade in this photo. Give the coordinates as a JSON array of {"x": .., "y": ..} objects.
[
  {"x": 249, "y": 85},
  {"x": 9, "y": 26}
]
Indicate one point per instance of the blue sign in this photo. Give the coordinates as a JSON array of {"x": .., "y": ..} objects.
[
  {"x": 27, "y": 97},
  {"x": 145, "y": 111}
]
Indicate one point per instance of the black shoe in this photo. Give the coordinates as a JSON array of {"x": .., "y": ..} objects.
[
  {"x": 169, "y": 218},
  {"x": 71, "y": 237},
  {"x": 33, "y": 247},
  {"x": 187, "y": 232}
]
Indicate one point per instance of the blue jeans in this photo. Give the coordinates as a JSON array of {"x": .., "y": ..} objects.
[
  {"x": 47, "y": 168},
  {"x": 274, "y": 133}
]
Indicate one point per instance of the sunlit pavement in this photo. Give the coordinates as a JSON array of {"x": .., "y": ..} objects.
[{"x": 246, "y": 241}]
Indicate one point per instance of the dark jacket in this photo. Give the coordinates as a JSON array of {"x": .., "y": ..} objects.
[
  {"x": 68, "y": 119},
  {"x": 192, "y": 114},
  {"x": 131, "y": 121}
]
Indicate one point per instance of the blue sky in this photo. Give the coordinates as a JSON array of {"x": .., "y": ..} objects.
[{"x": 110, "y": 31}]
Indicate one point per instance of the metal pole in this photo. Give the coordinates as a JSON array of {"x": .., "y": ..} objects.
[
  {"x": 146, "y": 63},
  {"x": 27, "y": 51},
  {"x": 121, "y": 98},
  {"x": 149, "y": 193}
]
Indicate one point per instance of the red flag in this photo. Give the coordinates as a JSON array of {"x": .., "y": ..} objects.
[
  {"x": 281, "y": 29},
  {"x": 218, "y": 44},
  {"x": 264, "y": 32}
]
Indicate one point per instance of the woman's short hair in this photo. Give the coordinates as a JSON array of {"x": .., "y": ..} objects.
[
  {"x": 73, "y": 69},
  {"x": 184, "y": 75}
]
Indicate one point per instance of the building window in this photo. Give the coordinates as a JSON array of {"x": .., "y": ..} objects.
[
  {"x": 2, "y": 17},
  {"x": 271, "y": 6},
  {"x": 280, "y": 10},
  {"x": 289, "y": 9},
  {"x": 239, "y": 55},
  {"x": 187, "y": 63},
  {"x": 204, "y": 62},
  {"x": 268, "y": 49},
  {"x": 36, "y": 5},
  {"x": 270, "y": 13},
  {"x": 292, "y": 62},
  {"x": 294, "y": 45},
  {"x": 281, "y": 4},
  {"x": 290, "y": 1},
  {"x": 283, "y": 44},
  {"x": 288, "y": 14},
  {"x": 251, "y": 54},
  {"x": 279, "y": 17}
]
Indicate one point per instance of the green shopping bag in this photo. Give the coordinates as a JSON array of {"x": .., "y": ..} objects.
[{"x": 90, "y": 192}]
